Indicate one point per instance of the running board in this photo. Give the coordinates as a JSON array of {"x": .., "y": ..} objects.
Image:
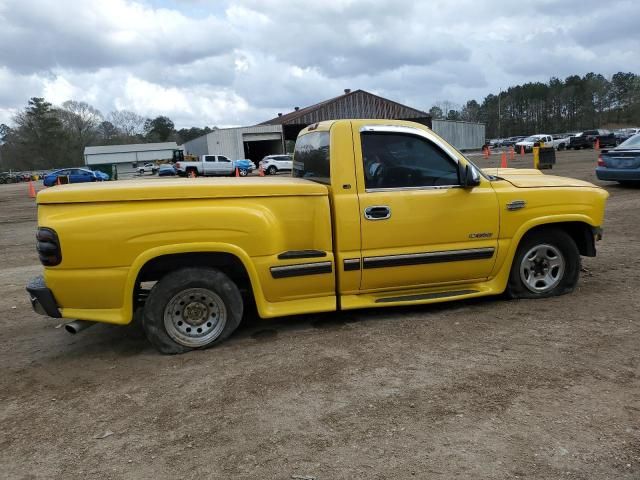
[{"x": 425, "y": 296}]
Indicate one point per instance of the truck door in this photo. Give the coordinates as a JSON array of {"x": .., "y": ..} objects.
[
  {"x": 209, "y": 164},
  {"x": 225, "y": 166},
  {"x": 419, "y": 227}
]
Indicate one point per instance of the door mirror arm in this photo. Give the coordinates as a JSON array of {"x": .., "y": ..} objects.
[{"x": 469, "y": 178}]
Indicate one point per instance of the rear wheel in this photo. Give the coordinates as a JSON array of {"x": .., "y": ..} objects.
[
  {"x": 192, "y": 308},
  {"x": 272, "y": 170},
  {"x": 547, "y": 264}
]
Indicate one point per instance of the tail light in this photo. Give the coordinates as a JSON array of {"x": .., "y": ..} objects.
[
  {"x": 600, "y": 161},
  {"x": 48, "y": 246}
]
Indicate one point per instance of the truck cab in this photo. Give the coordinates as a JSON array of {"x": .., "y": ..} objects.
[{"x": 207, "y": 165}]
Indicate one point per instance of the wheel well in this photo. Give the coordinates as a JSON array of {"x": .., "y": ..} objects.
[
  {"x": 580, "y": 232},
  {"x": 158, "y": 267}
]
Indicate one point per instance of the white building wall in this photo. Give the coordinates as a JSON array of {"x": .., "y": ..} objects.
[{"x": 128, "y": 157}]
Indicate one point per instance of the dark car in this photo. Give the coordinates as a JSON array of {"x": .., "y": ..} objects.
[
  {"x": 587, "y": 139},
  {"x": 511, "y": 141},
  {"x": 621, "y": 164},
  {"x": 74, "y": 175},
  {"x": 167, "y": 170}
]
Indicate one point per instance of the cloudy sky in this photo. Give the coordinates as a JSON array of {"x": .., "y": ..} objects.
[{"x": 239, "y": 62}]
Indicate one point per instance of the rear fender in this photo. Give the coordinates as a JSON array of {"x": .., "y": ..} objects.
[{"x": 145, "y": 257}]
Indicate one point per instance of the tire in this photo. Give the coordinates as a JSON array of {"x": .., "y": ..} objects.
[
  {"x": 272, "y": 170},
  {"x": 195, "y": 172},
  {"x": 561, "y": 146},
  {"x": 185, "y": 301},
  {"x": 243, "y": 172},
  {"x": 558, "y": 251}
]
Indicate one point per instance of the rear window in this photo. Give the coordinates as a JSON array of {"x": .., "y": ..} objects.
[{"x": 311, "y": 157}]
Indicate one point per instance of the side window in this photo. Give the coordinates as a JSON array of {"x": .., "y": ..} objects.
[
  {"x": 209, "y": 158},
  {"x": 311, "y": 157},
  {"x": 398, "y": 160},
  {"x": 222, "y": 158}
]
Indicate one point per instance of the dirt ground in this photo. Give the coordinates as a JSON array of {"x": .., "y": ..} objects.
[{"x": 481, "y": 389}]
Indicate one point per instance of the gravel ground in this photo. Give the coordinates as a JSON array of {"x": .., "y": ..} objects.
[{"x": 479, "y": 389}]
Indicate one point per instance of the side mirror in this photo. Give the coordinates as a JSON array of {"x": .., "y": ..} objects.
[{"x": 469, "y": 178}]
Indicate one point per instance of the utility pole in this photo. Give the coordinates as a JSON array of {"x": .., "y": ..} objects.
[{"x": 499, "y": 129}]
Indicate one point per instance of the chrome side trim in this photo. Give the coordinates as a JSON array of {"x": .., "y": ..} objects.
[
  {"x": 399, "y": 189},
  {"x": 291, "y": 254},
  {"x": 427, "y": 257},
  {"x": 425, "y": 296},
  {"x": 516, "y": 205},
  {"x": 351, "y": 264},
  {"x": 301, "y": 269}
]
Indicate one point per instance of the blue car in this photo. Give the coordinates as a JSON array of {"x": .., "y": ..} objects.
[
  {"x": 167, "y": 170},
  {"x": 244, "y": 166},
  {"x": 75, "y": 175},
  {"x": 621, "y": 164}
]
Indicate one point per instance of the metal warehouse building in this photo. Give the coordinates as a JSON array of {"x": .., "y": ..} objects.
[
  {"x": 462, "y": 135},
  {"x": 269, "y": 137},
  {"x": 242, "y": 142},
  {"x": 128, "y": 157}
]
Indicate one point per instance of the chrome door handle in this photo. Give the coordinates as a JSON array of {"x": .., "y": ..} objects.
[{"x": 377, "y": 212}]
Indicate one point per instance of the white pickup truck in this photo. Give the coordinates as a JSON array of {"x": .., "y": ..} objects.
[
  {"x": 208, "y": 165},
  {"x": 555, "y": 141}
]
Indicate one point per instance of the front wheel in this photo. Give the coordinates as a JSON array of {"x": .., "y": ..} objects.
[
  {"x": 547, "y": 264},
  {"x": 192, "y": 308},
  {"x": 244, "y": 172},
  {"x": 272, "y": 170}
]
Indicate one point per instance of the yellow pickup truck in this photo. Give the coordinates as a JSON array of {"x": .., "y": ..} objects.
[{"x": 376, "y": 213}]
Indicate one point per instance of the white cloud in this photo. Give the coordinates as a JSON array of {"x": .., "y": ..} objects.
[{"x": 243, "y": 61}]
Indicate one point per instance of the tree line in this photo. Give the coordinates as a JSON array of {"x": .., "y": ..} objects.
[
  {"x": 570, "y": 105},
  {"x": 45, "y": 136}
]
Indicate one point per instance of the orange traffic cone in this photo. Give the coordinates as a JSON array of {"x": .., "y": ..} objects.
[
  {"x": 32, "y": 190},
  {"x": 485, "y": 151},
  {"x": 237, "y": 172},
  {"x": 192, "y": 174},
  {"x": 521, "y": 149},
  {"x": 261, "y": 171},
  {"x": 512, "y": 153},
  {"x": 503, "y": 160},
  {"x": 597, "y": 144},
  {"x": 58, "y": 181}
]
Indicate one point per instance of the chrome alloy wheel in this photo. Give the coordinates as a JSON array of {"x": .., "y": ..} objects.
[
  {"x": 542, "y": 268},
  {"x": 195, "y": 317}
]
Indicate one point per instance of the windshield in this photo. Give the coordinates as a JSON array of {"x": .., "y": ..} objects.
[
  {"x": 632, "y": 142},
  {"x": 532, "y": 138}
]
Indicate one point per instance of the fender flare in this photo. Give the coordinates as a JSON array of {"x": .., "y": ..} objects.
[{"x": 204, "y": 247}]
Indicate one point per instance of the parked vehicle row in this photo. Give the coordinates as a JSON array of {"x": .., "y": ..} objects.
[
  {"x": 623, "y": 134},
  {"x": 561, "y": 141},
  {"x": 17, "y": 177}
]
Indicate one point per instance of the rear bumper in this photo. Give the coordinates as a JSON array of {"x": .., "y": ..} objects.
[
  {"x": 618, "y": 174},
  {"x": 42, "y": 299}
]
